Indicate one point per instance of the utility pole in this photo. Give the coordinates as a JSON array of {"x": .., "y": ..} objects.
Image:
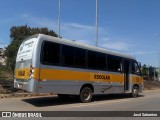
[
  {"x": 154, "y": 73},
  {"x": 96, "y": 23},
  {"x": 158, "y": 65},
  {"x": 59, "y": 16},
  {"x": 158, "y": 60},
  {"x": 148, "y": 74}
]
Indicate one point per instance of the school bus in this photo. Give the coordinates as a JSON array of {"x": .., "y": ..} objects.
[{"x": 46, "y": 64}]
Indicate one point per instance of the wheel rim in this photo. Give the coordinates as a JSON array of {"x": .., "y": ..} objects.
[
  {"x": 86, "y": 95},
  {"x": 135, "y": 92}
]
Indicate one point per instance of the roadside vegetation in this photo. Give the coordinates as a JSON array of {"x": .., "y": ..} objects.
[{"x": 151, "y": 85}]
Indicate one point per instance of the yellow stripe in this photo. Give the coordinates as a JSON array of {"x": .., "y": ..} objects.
[
  {"x": 137, "y": 79},
  {"x": 50, "y": 74}
]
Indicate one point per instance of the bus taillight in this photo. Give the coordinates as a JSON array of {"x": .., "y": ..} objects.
[{"x": 31, "y": 71}]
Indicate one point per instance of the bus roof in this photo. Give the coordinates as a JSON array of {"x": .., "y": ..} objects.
[{"x": 79, "y": 45}]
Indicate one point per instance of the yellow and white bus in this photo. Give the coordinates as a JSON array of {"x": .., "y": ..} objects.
[{"x": 46, "y": 64}]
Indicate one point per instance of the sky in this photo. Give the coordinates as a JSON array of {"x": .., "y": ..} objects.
[{"x": 127, "y": 26}]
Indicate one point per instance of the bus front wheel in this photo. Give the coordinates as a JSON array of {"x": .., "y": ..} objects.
[
  {"x": 135, "y": 91},
  {"x": 86, "y": 95}
]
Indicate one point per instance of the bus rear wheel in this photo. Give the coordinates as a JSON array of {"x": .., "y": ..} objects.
[
  {"x": 135, "y": 91},
  {"x": 86, "y": 95}
]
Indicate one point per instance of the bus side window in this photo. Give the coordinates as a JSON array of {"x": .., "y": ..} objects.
[
  {"x": 50, "y": 53},
  {"x": 114, "y": 63},
  {"x": 96, "y": 60},
  {"x": 101, "y": 61},
  {"x": 92, "y": 60},
  {"x": 80, "y": 58},
  {"x": 67, "y": 55}
]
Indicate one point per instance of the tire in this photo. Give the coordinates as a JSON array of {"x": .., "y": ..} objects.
[
  {"x": 135, "y": 91},
  {"x": 86, "y": 95}
]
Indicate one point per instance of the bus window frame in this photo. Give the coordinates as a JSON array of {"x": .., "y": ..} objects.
[{"x": 113, "y": 56}]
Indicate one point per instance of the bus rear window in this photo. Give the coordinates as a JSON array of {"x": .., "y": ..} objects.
[{"x": 26, "y": 49}]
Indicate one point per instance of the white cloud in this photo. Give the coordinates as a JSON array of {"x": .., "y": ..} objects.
[
  {"x": 79, "y": 26},
  {"x": 25, "y": 15},
  {"x": 3, "y": 44},
  {"x": 73, "y": 31},
  {"x": 105, "y": 39},
  {"x": 79, "y": 32},
  {"x": 116, "y": 45},
  {"x": 38, "y": 21},
  {"x": 142, "y": 53},
  {"x": 84, "y": 42}
]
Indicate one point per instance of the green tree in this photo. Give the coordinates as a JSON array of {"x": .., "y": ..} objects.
[
  {"x": 17, "y": 35},
  {"x": 144, "y": 70},
  {"x": 149, "y": 73}
]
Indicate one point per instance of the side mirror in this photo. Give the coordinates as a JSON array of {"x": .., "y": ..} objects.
[{"x": 139, "y": 64}]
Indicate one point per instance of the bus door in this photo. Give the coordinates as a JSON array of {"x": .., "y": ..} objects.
[{"x": 126, "y": 64}]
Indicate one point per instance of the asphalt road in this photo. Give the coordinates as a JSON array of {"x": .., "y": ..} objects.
[{"x": 149, "y": 101}]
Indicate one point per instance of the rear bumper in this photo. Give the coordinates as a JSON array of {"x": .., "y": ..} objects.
[{"x": 28, "y": 85}]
